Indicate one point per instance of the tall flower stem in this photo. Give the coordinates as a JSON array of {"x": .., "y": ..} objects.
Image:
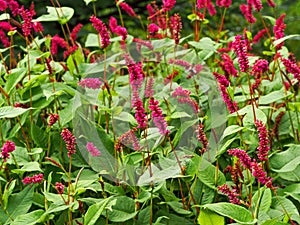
[
  {"x": 221, "y": 25},
  {"x": 251, "y": 97}
]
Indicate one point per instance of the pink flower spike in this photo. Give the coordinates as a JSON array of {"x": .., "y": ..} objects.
[
  {"x": 240, "y": 49},
  {"x": 149, "y": 88},
  {"x": 232, "y": 195},
  {"x": 263, "y": 147},
  {"x": 128, "y": 9},
  {"x": 70, "y": 141},
  {"x": 291, "y": 67},
  {"x": 168, "y": 4},
  {"x": 153, "y": 29},
  {"x": 14, "y": 7},
  {"x": 260, "y": 66},
  {"x": 151, "y": 13},
  {"x": 52, "y": 119},
  {"x": 113, "y": 24},
  {"x": 228, "y": 65},
  {"x": 55, "y": 42},
  {"x": 242, "y": 156},
  {"x": 92, "y": 149},
  {"x": 38, "y": 178},
  {"x": 75, "y": 31},
  {"x": 93, "y": 83},
  {"x": 157, "y": 117},
  {"x": 59, "y": 188},
  {"x": 211, "y": 8},
  {"x": 5, "y": 41},
  {"x": 183, "y": 97},
  {"x": 247, "y": 12},
  {"x": 257, "y": 171},
  {"x": 5, "y": 26},
  {"x": 101, "y": 28},
  {"x": 259, "y": 35},
  {"x": 256, "y": 4},
  {"x": 279, "y": 30},
  {"x": 27, "y": 21},
  {"x": 136, "y": 75},
  {"x": 7, "y": 148},
  {"x": 176, "y": 27},
  {"x": 3, "y": 5},
  {"x": 223, "y": 3},
  {"x": 271, "y": 3},
  {"x": 37, "y": 27},
  {"x": 140, "y": 112}
]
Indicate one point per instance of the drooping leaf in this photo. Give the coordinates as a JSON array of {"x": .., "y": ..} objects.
[
  {"x": 207, "y": 175},
  {"x": 11, "y": 112},
  {"x": 14, "y": 78},
  {"x": 277, "y": 42},
  {"x": 28, "y": 167},
  {"x": 89, "y": 1},
  {"x": 235, "y": 212},
  {"x": 29, "y": 218},
  {"x": 274, "y": 96},
  {"x": 60, "y": 14},
  {"x": 4, "y": 16},
  {"x": 233, "y": 129},
  {"x": 20, "y": 203},
  {"x": 121, "y": 209}
]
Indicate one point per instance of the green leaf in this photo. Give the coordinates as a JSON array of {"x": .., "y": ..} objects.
[
  {"x": 89, "y": 1},
  {"x": 21, "y": 156},
  {"x": 277, "y": 42},
  {"x": 262, "y": 200},
  {"x": 281, "y": 159},
  {"x": 233, "y": 129},
  {"x": 274, "y": 96},
  {"x": 11, "y": 112},
  {"x": 60, "y": 14},
  {"x": 271, "y": 19},
  {"x": 248, "y": 120},
  {"x": 144, "y": 216},
  {"x": 95, "y": 211},
  {"x": 270, "y": 222},
  {"x": 28, "y": 167},
  {"x": 92, "y": 40},
  {"x": 178, "y": 208},
  {"x": 284, "y": 205},
  {"x": 176, "y": 115},
  {"x": 14, "y": 78},
  {"x": 208, "y": 217},
  {"x": 4, "y": 16},
  {"x": 121, "y": 209},
  {"x": 207, "y": 175},
  {"x": 20, "y": 203},
  {"x": 9, "y": 188},
  {"x": 58, "y": 208},
  {"x": 235, "y": 212},
  {"x": 290, "y": 166},
  {"x": 39, "y": 136},
  {"x": 29, "y": 218}
]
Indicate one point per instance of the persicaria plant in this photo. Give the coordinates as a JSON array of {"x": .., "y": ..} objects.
[{"x": 149, "y": 112}]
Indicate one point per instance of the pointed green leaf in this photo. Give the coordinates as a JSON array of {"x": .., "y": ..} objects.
[
  {"x": 95, "y": 211},
  {"x": 11, "y": 112},
  {"x": 89, "y": 1},
  {"x": 20, "y": 203},
  {"x": 208, "y": 217},
  {"x": 235, "y": 212},
  {"x": 277, "y": 42},
  {"x": 60, "y": 14},
  {"x": 14, "y": 78},
  {"x": 29, "y": 218}
]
